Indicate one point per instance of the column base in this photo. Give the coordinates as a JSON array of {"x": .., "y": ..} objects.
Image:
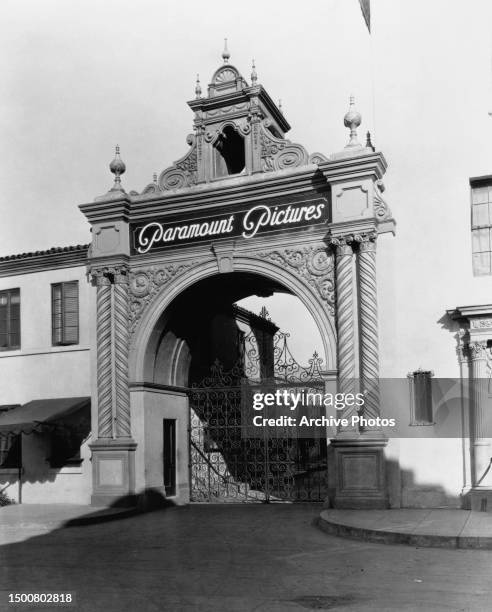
[
  {"x": 480, "y": 500},
  {"x": 113, "y": 472},
  {"x": 360, "y": 473}
]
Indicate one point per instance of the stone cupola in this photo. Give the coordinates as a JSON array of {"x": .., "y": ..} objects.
[{"x": 238, "y": 131}]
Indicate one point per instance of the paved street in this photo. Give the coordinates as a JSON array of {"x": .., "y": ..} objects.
[{"x": 238, "y": 558}]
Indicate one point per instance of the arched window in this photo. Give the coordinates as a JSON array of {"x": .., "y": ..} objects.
[{"x": 229, "y": 157}]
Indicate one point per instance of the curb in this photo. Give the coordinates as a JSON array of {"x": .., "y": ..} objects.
[{"x": 410, "y": 539}]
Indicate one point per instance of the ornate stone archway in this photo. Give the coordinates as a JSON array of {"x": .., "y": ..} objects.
[{"x": 308, "y": 222}]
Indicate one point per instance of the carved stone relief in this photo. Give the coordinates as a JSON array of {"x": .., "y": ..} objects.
[
  {"x": 145, "y": 285},
  {"x": 183, "y": 173},
  {"x": 226, "y": 109},
  {"x": 381, "y": 209},
  {"x": 313, "y": 264},
  {"x": 279, "y": 153}
]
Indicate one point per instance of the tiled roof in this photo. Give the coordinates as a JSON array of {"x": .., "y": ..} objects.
[
  {"x": 37, "y": 261},
  {"x": 53, "y": 250}
]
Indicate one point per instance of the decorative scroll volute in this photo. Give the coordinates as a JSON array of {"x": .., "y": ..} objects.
[{"x": 279, "y": 153}]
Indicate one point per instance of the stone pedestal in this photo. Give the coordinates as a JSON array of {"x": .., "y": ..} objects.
[
  {"x": 360, "y": 474},
  {"x": 113, "y": 472}
]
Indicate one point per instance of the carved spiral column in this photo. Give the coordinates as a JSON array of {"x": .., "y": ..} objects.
[
  {"x": 368, "y": 325},
  {"x": 113, "y": 395},
  {"x": 104, "y": 361},
  {"x": 479, "y": 397},
  {"x": 345, "y": 322},
  {"x": 121, "y": 340}
]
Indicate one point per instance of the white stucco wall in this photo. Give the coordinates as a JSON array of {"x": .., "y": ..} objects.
[{"x": 39, "y": 370}]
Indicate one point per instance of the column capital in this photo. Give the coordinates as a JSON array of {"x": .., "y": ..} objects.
[
  {"x": 109, "y": 274},
  {"x": 477, "y": 350},
  {"x": 342, "y": 245},
  {"x": 366, "y": 242}
]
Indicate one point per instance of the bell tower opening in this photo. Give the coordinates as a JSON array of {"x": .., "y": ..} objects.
[{"x": 229, "y": 155}]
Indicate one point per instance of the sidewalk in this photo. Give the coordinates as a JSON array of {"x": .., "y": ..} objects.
[{"x": 434, "y": 528}]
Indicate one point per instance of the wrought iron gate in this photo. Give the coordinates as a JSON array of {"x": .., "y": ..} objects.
[{"x": 227, "y": 464}]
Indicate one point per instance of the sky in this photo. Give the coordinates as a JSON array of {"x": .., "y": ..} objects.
[{"x": 80, "y": 77}]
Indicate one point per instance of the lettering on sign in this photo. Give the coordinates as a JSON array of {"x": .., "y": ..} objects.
[
  {"x": 481, "y": 323},
  {"x": 261, "y": 218}
]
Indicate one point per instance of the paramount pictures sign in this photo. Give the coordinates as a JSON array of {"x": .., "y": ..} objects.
[{"x": 159, "y": 234}]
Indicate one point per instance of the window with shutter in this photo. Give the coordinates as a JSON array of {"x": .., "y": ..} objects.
[
  {"x": 65, "y": 313},
  {"x": 9, "y": 319},
  {"x": 421, "y": 397}
]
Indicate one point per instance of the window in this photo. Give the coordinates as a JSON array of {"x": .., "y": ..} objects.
[
  {"x": 481, "y": 220},
  {"x": 10, "y": 451},
  {"x": 65, "y": 448},
  {"x": 229, "y": 153},
  {"x": 67, "y": 438},
  {"x": 9, "y": 319},
  {"x": 421, "y": 397},
  {"x": 65, "y": 313}
]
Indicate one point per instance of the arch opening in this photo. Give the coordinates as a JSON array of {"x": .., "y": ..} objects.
[
  {"x": 208, "y": 353},
  {"x": 211, "y": 320}
]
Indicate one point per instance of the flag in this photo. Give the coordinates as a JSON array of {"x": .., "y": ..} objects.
[{"x": 365, "y": 6}]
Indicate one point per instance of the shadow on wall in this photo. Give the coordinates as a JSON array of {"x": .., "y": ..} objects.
[{"x": 403, "y": 489}]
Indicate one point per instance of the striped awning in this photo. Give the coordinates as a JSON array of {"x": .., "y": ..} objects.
[{"x": 39, "y": 414}]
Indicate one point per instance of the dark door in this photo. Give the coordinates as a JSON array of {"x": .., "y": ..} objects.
[{"x": 169, "y": 454}]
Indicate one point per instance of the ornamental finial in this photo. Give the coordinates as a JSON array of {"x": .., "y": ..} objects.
[
  {"x": 369, "y": 144},
  {"x": 198, "y": 87},
  {"x": 225, "y": 53},
  {"x": 352, "y": 120},
  {"x": 118, "y": 168},
  {"x": 154, "y": 177},
  {"x": 254, "y": 76}
]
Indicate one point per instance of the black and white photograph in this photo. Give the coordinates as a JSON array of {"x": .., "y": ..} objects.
[{"x": 246, "y": 306}]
